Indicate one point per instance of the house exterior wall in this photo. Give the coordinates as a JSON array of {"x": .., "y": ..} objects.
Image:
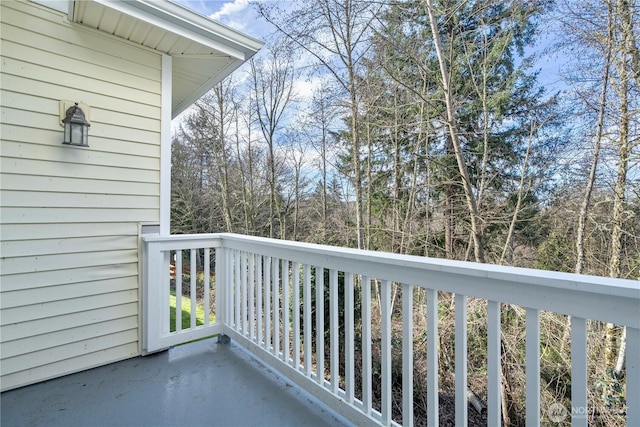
[{"x": 69, "y": 221}]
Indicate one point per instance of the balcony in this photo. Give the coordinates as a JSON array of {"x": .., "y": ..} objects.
[
  {"x": 197, "y": 384},
  {"x": 343, "y": 325}
]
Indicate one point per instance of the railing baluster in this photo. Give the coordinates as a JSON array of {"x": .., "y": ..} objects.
[
  {"x": 493, "y": 361},
  {"x": 229, "y": 286},
  {"x": 633, "y": 376},
  {"x": 237, "y": 288},
  {"x": 407, "y": 355},
  {"x": 532, "y": 367},
  {"x": 461, "y": 360},
  {"x": 165, "y": 286},
  {"x": 579, "y": 370},
  {"x": 306, "y": 308},
  {"x": 222, "y": 285},
  {"x": 267, "y": 301},
  {"x": 320, "y": 325},
  {"x": 178, "y": 324},
  {"x": 245, "y": 285},
  {"x": 334, "y": 324},
  {"x": 259, "y": 308},
  {"x": 385, "y": 351},
  {"x": 207, "y": 287},
  {"x": 193, "y": 275},
  {"x": 349, "y": 374},
  {"x": 432, "y": 359},
  {"x": 366, "y": 345},
  {"x": 296, "y": 315},
  {"x": 275, "y": 288},
  {"x": 252, "y": 302},
  {"x": 286, "y": 333}
]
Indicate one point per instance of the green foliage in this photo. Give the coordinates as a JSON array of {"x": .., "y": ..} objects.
[
  {"x": 327, "y": 309},
  {"x": 556, "y": 253},
  {"x": 611, "y": 389}
]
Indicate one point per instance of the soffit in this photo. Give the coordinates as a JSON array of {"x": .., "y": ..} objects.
[{"x": 203, "y": 51}]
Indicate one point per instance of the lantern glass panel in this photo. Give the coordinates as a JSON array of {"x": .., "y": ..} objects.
[
  {"x": 76, "y": 134},
  {"x": 67, "y": 132}
]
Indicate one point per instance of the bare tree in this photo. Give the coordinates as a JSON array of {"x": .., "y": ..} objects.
[
  {"x": 623, "y": 62},
  {"x": 272, "y": 80},
  {"x": 320, "y": 125},
  {"x": 603, "y": 36},
  {"x": 335, "y": 34},
  {"x": 586, "y": 201}
]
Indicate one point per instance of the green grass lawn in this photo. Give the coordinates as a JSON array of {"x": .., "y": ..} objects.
[{"x": 186, "y": 310}]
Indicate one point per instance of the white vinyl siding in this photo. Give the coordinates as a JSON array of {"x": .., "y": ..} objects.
[{"x": 69, "y": 216}]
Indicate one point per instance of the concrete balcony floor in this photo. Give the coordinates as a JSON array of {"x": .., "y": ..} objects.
[{"x": 198, "y": 384}]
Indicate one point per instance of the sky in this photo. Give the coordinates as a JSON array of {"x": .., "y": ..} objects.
[
  {"x": 237, "y": 14},
  {"x": 240, "y": 15}
]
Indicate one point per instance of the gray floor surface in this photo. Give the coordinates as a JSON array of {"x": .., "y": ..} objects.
[{"x": 198, "y": 384}]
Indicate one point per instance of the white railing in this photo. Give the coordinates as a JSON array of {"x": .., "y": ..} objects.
[
  {"x": 294, "y": 305},
  {"x": 163, "y": 262}
]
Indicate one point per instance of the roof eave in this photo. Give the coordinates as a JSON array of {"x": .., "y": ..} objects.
[
  {"x": 189, "y": 24},
  {"x": 205, "y": 87}
]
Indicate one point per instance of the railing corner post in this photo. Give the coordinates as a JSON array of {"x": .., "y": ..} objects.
[
  {"x": 222, "y": 284},
  {"x": 152, "y": 264}
]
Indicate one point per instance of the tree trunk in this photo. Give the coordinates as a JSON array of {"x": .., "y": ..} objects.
[
  {"x": 323, "y": 195},
  {"x": 367, "y": 242},
  {"x": 516, "y": 210},
  {"x": 223, "y": 161},
  {"x": 448, "y": 209},
  {"x": 474, "y": 217},
  {"x": 355, "y": 158},
  {"x": 615, "y": 350},
  {"x": 631, "y": 46},
  {"x": 619, "y": 198},
  {"x": 396, "y": 246},
  {"x": 584, "y": 208}
]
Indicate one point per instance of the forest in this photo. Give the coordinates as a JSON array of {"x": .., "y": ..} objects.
[{"x": 422, "y": 127}]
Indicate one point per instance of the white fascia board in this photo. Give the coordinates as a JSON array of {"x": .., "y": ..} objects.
[{"x": 188, "y": 24}]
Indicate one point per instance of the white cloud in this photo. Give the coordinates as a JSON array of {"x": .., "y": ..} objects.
[
  {"x": 305, "y": 88},
  {"x": 241, "y": 16},
  {"x": 237, "y": 14},
  {"x": 229, "y": 9}
]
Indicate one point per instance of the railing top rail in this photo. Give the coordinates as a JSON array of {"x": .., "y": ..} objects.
[
  {"x": 183, "y": 241},
  {"x": 593, "y": 297},
  {"x": 182, "y": 237},
  {"x": 606, "y": 285}
]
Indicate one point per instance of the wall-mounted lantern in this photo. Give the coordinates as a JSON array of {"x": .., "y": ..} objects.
[{"x": 76, "y": 127}]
